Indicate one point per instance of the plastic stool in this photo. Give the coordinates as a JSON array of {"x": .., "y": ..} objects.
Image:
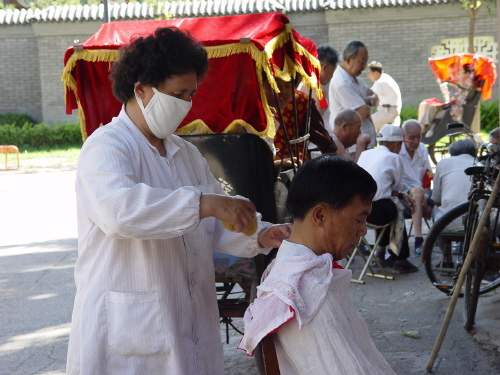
[{"x": 371, "y": 256}]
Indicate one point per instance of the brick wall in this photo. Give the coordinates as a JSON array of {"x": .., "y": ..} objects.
[
  {"x": 401, "y": 40},
  {"x": 31, "y": 56},
  {"x": 20, "y": 89},
  {"x": 53, "y": 41}
]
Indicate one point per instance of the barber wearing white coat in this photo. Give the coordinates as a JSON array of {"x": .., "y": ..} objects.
[{"x": 149, "y": 218}]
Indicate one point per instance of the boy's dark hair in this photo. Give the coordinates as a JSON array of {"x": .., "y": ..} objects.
[
  {"x": 152, "y": 59},
  {"x": 327, "y": 55},
  {"x": 328, "y": 179}
]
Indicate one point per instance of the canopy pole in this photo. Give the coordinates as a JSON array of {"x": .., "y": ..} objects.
[{"x": 106, "y": 11}]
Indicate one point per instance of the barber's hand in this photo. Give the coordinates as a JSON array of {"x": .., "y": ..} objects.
[
  {"x": 274, "y": 235},
  {"x": 238, "y": 211}
]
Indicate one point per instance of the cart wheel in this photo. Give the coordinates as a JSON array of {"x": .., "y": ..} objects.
[{"x": 439, "y": 150}]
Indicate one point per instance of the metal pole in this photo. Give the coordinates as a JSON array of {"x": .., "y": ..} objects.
[{"x": 106, "y": 11}]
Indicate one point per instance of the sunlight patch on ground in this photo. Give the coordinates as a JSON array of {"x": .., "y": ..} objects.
[
  {"x": 41, "y": 337},
  {"x": 43, "y": 296}
]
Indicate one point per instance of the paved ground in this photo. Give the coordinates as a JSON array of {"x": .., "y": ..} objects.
[{"x": 38, "y": 252}]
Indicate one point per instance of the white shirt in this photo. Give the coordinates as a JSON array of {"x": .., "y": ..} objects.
[
  {"x": 387, "y": 91},
  {"x": 451, "y": 185},
  {"x": 348, "y": 92},
  {"x": 385, "y": 167},
  {"x": 146, "y": 299},
  {"x": 335, "y": 338},
  {"x": 414, "y": 169}
]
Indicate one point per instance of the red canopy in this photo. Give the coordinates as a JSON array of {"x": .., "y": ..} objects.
[
  {"x": 240, "y": 49},
  {"x": 484, "y": 69}
]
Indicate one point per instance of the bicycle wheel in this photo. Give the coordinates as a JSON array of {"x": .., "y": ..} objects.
[
  {"x": 490, "y": 248},
  {"x": 471, "y": 292},
  {"x": 477, "y": 268},
  {"x": 441, "y": 251}
]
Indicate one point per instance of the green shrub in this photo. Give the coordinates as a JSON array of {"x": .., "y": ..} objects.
[
  {"x": 489, "y": 115},
  {"x": 408, "y": 112},
  {"x": 16, "y": 119},
  {"x": 41, "y": 136}
]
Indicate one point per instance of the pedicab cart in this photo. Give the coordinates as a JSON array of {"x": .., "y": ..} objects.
[
  {"x": 472, "y": 76},
  {"x": 241, "y": 49}
]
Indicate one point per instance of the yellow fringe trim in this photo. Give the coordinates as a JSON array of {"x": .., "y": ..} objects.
[{"x": 199, "y": 127}]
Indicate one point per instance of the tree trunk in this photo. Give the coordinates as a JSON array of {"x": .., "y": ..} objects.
[
  {"x": 472, "y": 9},
  {"x": 472, "y": 26}
]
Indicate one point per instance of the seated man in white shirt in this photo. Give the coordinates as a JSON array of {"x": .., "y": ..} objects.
[
  {"x": 385, "y": 166},
  {"x": 347, "y": 132},
  {"x": 304, "y": 299},
  {"x": 417, "y": 169},
  {"x": 389, "y": 96},
  {"x": 451, "y": 187}
]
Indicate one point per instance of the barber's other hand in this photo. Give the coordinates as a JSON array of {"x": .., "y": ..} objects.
[
  {"x": 238, "y": 211},
  {"x": 274, "y": 235}
]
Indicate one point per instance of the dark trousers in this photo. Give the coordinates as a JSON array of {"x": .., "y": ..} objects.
[{"x": 384, "y": 211}]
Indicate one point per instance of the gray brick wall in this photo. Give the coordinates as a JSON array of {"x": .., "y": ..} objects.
[
  {"x": 53, "y": 41},
  {"x": 401, "y": 40},
  {"x": 31, "y": 56},
  {"x": 19, "y": 75}
]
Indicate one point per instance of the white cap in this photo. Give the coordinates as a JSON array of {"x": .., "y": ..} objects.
[{"x": 390, "y": 133}]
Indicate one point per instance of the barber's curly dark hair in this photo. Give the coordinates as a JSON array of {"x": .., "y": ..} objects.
[{"x": 151, "y": 60}]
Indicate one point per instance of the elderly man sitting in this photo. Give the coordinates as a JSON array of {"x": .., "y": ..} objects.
[
  {"x": 347, "y": 132},
  {"x": 417, "y": 176}
]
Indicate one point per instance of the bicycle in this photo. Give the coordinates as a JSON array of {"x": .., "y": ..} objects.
[{"x": 449, "y": 240}]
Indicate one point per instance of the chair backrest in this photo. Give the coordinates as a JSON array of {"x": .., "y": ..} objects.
[{"x": 243, "y": 165}]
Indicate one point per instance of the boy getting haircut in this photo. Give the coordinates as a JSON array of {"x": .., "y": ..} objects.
[{"x": 303, "y": 300}]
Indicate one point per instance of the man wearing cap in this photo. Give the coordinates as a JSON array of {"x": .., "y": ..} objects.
[
  {"x": 348, "y": 91},
  {"x": 389, "y": 96},
  {"x": 386, "y": 167}
]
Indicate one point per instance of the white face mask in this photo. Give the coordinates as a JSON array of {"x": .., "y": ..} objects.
[{"x": 164, "y": 113}]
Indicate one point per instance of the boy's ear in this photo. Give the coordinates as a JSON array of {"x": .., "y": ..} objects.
[{"x": 318, "y": 214}]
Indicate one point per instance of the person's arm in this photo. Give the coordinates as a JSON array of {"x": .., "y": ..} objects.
[
  {"x": 341, "y": 151},
  {"x": 407, "y": 198},
  {"x": 113, "y": 195},
  {"x": 365, "y": 111},
  {"x": 319, "y": 134},
  {"x": 361, "y": 144},
  {"x": 436, "y": 191}
]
